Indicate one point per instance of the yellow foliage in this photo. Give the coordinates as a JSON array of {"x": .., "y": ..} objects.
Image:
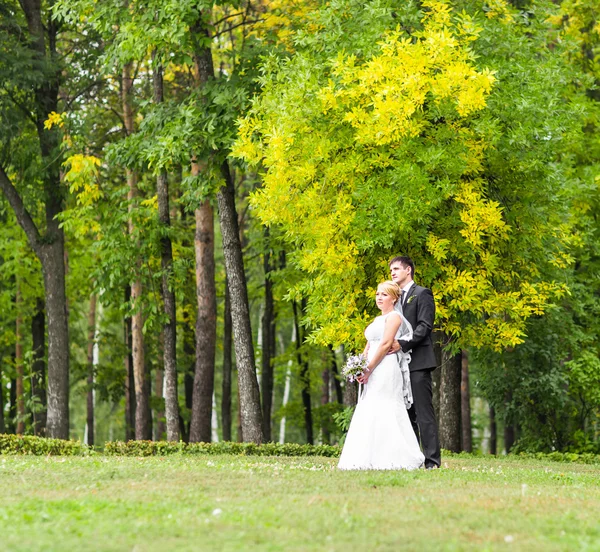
[
  {"x": 82, "y": 175},
  {"x": 326, "y": 150},
  {"x": 54, "y": 119},
  {"x": 383, "y": 97}
]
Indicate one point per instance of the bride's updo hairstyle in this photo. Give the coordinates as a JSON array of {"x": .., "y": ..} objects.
[{"x": 391, "y": 288}]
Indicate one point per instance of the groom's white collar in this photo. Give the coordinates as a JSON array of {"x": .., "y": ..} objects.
[{"x": 407, "y": 287}]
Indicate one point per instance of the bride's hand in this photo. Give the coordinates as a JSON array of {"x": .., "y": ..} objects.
[{"x": 364, "y": 378}]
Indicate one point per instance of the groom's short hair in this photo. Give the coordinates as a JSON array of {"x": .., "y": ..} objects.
[{"x": 406, "y": 261}]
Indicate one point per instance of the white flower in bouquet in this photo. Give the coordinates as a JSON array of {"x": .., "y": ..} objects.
[{"x": 356, "y": 365}]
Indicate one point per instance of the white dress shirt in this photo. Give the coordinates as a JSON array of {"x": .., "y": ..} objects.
[{"x": 406, "y": 289}]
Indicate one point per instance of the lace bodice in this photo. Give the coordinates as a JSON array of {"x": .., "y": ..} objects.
[{"x": 374, "y": 331}]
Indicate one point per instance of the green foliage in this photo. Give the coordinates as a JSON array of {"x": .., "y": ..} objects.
[
  {"x": 343, "y": 418},
  {"x": 39, "y": 446}
]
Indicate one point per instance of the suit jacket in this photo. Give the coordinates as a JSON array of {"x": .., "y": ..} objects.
[{"x": 420, "y": 312}]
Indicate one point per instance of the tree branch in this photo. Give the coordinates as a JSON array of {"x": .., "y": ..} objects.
[
  {"x": 228, "y": 29},
  {"x": 83, "y": 91},
  {"x": 23, "y": 216}
]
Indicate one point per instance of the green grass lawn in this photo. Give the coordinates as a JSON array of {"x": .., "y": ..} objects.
[{"x": 265, "y": 503}]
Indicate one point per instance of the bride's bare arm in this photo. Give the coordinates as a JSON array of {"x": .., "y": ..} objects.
[{"x": 392, "y": 323}]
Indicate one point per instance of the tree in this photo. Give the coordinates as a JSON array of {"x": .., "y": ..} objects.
[{"x": 34, "y": 93}]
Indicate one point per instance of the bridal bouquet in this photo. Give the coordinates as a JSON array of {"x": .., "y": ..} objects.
[{"x": 355, "y": 366}]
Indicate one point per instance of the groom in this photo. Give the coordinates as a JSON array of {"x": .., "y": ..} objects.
[{"x": 418, "y": 308}]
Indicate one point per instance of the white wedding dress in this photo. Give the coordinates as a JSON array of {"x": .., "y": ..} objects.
[{"x": 381, "y": 436}]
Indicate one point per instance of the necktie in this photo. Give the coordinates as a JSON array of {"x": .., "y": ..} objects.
[{"x": 402, "y": 297}]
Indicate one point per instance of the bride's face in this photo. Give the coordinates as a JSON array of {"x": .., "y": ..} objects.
[{"x": 384, "y": 301}]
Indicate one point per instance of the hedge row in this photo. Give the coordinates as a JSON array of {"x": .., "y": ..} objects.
[
  {"x": 581, "y": 458},
  {"x": 40, "y": 446},
  {"x": 164, "y": 448}
]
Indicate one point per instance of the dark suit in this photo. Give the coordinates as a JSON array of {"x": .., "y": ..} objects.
[{"x": 419, "y": 309}]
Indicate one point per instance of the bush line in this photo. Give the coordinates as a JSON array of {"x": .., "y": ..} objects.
[
  {"x": 40, "y": 446},
  {"x": 164, "y": 448}
]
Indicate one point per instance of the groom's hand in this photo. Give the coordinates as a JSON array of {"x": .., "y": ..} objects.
[{"x": 394, "y": 348}]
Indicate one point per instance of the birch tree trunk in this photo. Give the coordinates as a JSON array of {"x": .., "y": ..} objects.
[
  {"x": 166, "y": 261},
  {"x": 288, "y": 384}
]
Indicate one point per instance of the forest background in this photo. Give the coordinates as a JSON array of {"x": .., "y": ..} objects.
[{"x": 199, "y": 198}]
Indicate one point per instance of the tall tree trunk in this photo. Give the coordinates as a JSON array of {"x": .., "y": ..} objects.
[
  {"x": 142, "y": 400},
  {"x": 58, "y": 342},
  {"x": 325, "y": 399},
  {"x": 49, "y": 247},
  {"x": 337, "y": 385},
  {"x": 450, "y": 411},
  {"x": 206, "y": 322},
  {"x": 493, "y": 432},
  {"x": 12, "y": 409},
  {"x": 509, "y": 437},
  {"x": 90, "y": 366},
  {"x": 227, "y": 369},
  {"x": 2, "y": 424},
  {"x": 166, "y": 258},
  {"x": 509, "y": 428},
  {"x": 350, "y": 394},
  {"x": 160, "y": 429},
  {"x": 251, "y": 416},
  {"x": 436, "y": 375},
  {"x": 20, "y": 426},
  {"x": 129, "y": 377},
  {"x": 465, "y": 398},
  {"x": 206, "y": 294},
  {"x": 288, "y": 383},
  {"x": 250, "y": 411},
  {"x": 268, "y": 342},
  {"x": 38, "y": 380},
  {"x": 304, "y": 377}
]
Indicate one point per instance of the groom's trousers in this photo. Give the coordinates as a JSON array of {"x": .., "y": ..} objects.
[{"x": 422, "y": 416}]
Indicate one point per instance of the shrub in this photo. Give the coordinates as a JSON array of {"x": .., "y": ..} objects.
[
  {"x": 41, "y": 446},
  {"x": 163, "y": 448}
]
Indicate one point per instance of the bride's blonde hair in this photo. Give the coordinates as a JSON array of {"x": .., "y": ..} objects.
[{"x": 391, "y": 288}]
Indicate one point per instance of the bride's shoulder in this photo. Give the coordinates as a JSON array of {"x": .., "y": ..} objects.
[{"x": 398, "y": 315}]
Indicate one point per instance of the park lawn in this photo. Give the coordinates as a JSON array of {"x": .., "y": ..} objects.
[{"x": 267, "y": 503}]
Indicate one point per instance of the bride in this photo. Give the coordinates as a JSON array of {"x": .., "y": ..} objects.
[{"x": 381, "y": 436}]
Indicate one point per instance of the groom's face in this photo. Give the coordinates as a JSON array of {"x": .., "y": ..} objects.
[{"x": 400, "y": 274}]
